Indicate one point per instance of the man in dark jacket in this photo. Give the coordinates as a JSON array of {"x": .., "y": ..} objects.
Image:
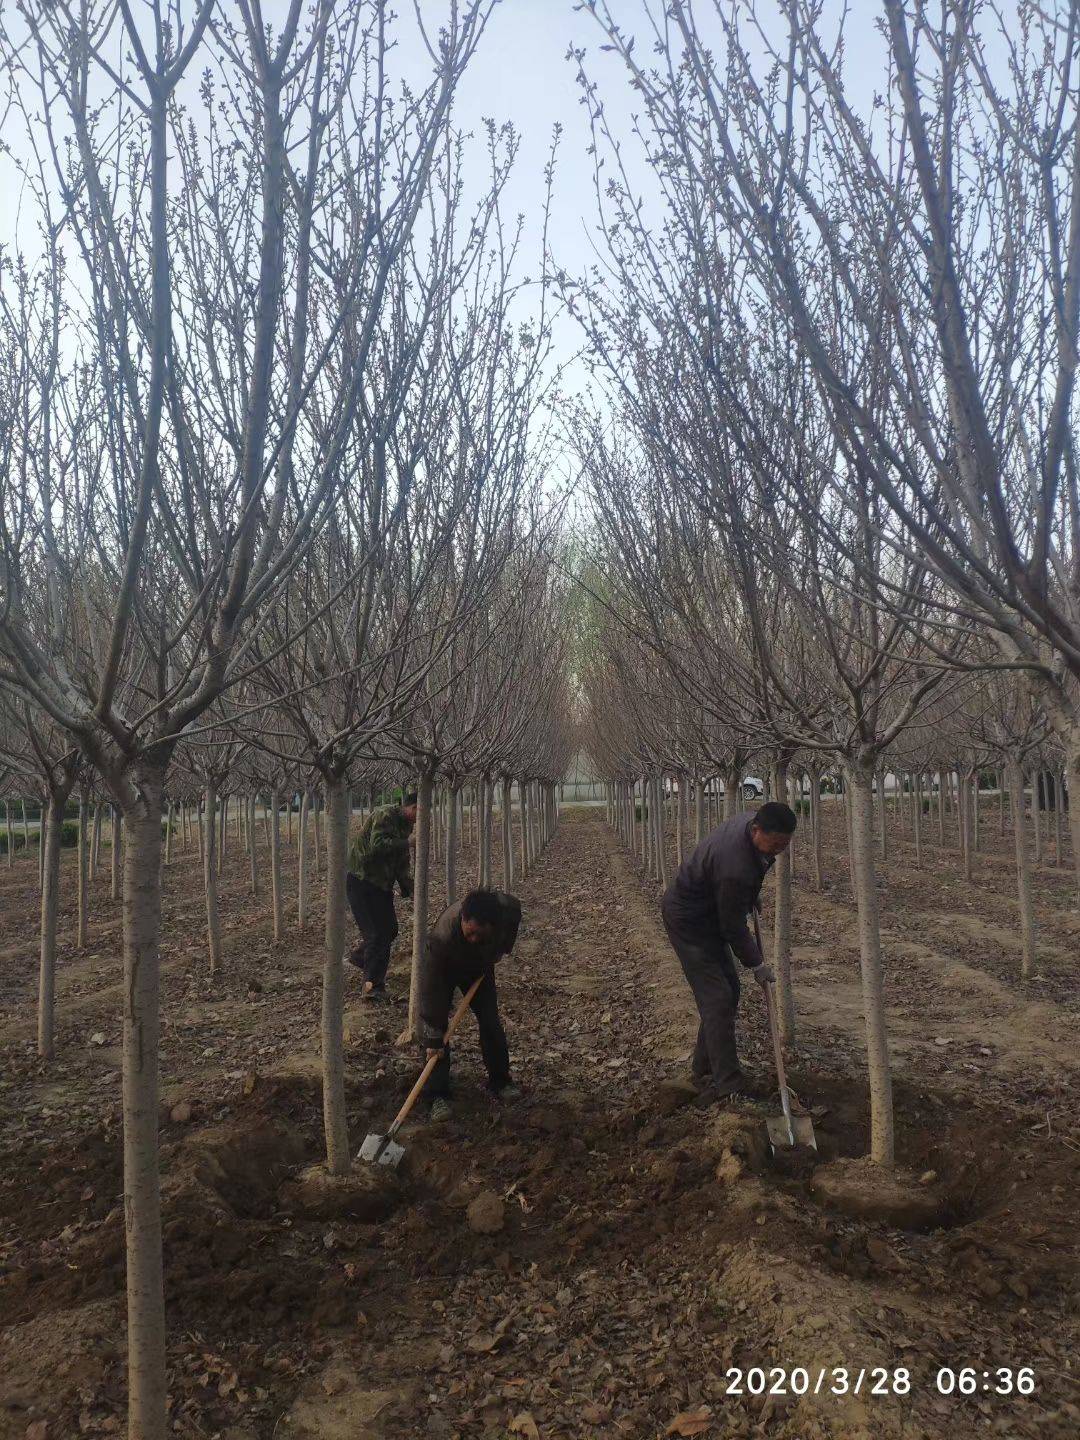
[
  {"x": 705, "y": 911},
  {"x": 378, "y": 859},
  {"x": 466, "y": 941}
]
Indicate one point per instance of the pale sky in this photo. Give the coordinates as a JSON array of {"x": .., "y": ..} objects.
[{"x": 521, "y": 74}]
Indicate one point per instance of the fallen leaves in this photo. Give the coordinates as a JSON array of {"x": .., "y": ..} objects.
[
  {"x": 485, "y": 1341},
  {"x": 691, "y": 1422},
  {"x": 524, "y": 1424}
]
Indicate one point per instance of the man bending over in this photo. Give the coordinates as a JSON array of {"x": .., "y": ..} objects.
[{"x": 466, "y": 941}]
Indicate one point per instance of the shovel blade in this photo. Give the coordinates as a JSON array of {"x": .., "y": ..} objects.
[
  {"x": 780, "y": 1136},
  {"x": 801, "y": 1132},
  {"x": 378, "y": 1150}
]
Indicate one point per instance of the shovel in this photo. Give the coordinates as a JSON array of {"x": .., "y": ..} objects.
[
  {"x": 786, "y": 1131},
  {"x": 384, "y": 1149}
]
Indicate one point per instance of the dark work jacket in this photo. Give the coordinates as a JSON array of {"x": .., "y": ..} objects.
[
  {"x": 715, "y": 889},
  {"x": 449, "y": 960}
]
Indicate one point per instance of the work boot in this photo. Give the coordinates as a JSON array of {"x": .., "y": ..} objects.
[
  {"x": 441, "y": 1110},
  {"x": 509, "y": 1092},
  {"x": 374, "y": 994},
  {"x": 737, "y": 1088}
]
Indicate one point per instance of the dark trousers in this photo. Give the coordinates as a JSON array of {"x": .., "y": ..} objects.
[
  {"x": 373, "y": 911},
  {"x": 493, "y": 1046},
  {"x": 709, "y": 967}
]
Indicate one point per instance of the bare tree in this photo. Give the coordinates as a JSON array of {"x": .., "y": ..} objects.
[{"x": 926, "y": 257}]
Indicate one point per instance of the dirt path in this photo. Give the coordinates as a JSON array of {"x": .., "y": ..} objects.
[{"x": 647, "y": 1249}]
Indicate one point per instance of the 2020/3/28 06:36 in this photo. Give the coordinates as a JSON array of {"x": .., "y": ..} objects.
[{"x": 876, "y": 1380}]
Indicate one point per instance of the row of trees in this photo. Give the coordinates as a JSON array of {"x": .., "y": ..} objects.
[
  {"x": 274, "y": 426},
  {"x": 839, "y": 502}
]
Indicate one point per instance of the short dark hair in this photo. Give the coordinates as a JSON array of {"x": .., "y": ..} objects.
[
  {"x": 775, "y": 817},
  {"x": 408, "y": 799},
  {"x": 483, "y": 906}
]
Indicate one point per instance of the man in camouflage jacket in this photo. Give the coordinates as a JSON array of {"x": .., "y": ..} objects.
[{"x": 378, "y": 859}]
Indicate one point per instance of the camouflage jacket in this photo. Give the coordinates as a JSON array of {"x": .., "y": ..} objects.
[{"x": 380, "y": 853}]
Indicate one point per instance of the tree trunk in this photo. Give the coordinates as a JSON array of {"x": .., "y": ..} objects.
[
  {"x": 815, "y": 823},
  {"x": 523, "y": 807},
  {"x": 1071, "y": 801},
  {"x": 1059, "y": 805},
  {"x": 84, "y": 871},
  {"x": 210, "y": 876},
  {"x": 507, "y": 834},
  {"x": 142, "y": 1191},
  {"x": 1035, "y": 817},
  {"x": 316, "y": 832},
  {"x": 303, "y": 884},
  {"x": 782, "y": 930},
  {"x": 963, "y": 797},
  {"x": 95, "y": 845},
  {"x": 1001, "y": 801},
  {"x": 288, "y": 818},
  {"x": 275, "y": 861},
  {"x": 484, "y": 796},
  {"x": 335, "y": 1115},
  {"x": 51, "y": 822},
  {"x": 26, "y": 829},
  {"x": 975, "y": 811},
  {"x": 168, "y": 832},
  {"x": 883, "y": 838},
  {"x": 252, "y": 847},
  {"x": 682, "y": 817},
  {"x": 660, "y": 844},
  {"x": 420, "y": 891},
  {"x": 1023, "y": 871},
  {"x": 452, "y": 812},
  {"x": 917, "y": 821},
  {"x": 114, "y": 858},
  {"x": 9, "y": 839},
  {"x": 732, "y": 791},
  {"x": 860, "y": 798},
  {"x": 223, "y": 832},
  {"x": 941, "y": 808},
  {"x": 794, "y": 799}
]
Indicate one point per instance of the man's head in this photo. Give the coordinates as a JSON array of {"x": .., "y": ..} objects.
[
  {"x": 772, "y": 828},
  {"x": 408, "y": 806},
  {"x": 480, "y": 916}
]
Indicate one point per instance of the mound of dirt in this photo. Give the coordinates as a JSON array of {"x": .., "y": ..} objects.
[
  {"x": 737, "y": 1144},
  {"x": 866, "y": 1191},
  {"x": 368, "y": 1193},
  {"x": 78, "y": 1350}
]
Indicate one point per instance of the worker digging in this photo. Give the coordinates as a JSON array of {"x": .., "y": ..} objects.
[
  {"x": 379, "y": 859},
  {"x": 705, "y": 912}
]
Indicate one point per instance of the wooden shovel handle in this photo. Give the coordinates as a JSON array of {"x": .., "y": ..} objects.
[
  {"x": 774, "y": 1031},
  {"x": 433, "y": 1060}
]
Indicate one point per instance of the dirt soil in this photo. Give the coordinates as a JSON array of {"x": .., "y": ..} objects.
[{"x": 601, "y": 1259}]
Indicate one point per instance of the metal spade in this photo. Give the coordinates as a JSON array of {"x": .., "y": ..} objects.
[{"x": 384, "y": 1149}]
